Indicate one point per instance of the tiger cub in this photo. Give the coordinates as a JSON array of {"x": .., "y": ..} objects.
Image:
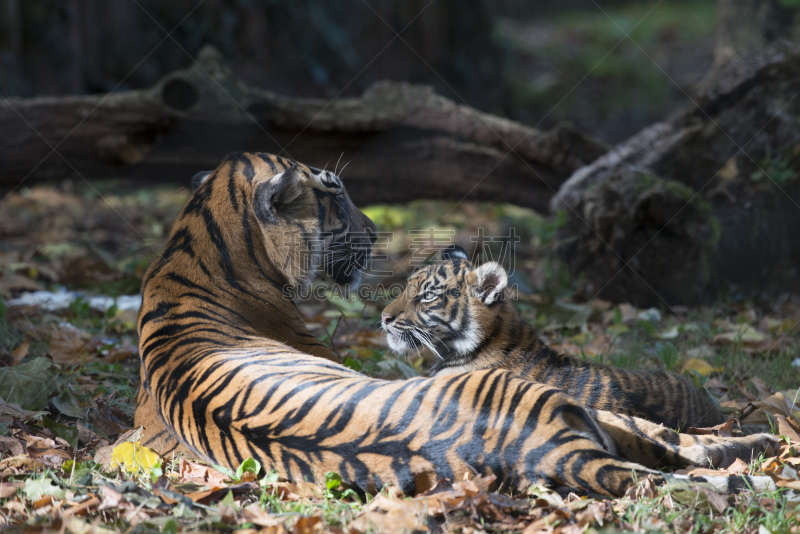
[{"x": 460, "y": 313}]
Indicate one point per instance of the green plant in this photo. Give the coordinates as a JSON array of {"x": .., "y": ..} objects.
[
  {"x": 774, "y": 169},
  {"x": 668, "y": 355}
]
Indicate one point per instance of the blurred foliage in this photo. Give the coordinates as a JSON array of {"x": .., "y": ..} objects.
[
  {"x": 305, "y": 48},
  {"x": 538, "y": 62},
  {"x": 612, "y": 70}
]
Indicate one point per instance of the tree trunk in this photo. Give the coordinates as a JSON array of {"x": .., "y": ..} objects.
[
  {"x": 710, "y": 196},
  {"x": 402, "y": 141}
]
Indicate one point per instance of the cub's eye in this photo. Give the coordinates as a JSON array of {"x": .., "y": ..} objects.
[{"x": 429, "y": 296}]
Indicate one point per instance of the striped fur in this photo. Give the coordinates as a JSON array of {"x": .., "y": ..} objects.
[
  {"x": 460, "y": 313},
  {"x": 231, "y": 372},
  {"x": 444, "y": 306}
]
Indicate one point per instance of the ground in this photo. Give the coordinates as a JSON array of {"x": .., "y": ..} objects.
[{"x": 70, "y": 458}]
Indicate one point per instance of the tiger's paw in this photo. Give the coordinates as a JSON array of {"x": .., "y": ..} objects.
[{"x": 722, "y": 452}]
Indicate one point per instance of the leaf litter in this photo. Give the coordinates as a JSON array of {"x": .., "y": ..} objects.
[{"x": 70, "y": 459}]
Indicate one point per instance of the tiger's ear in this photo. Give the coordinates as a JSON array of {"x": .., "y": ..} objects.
[
  {"x": 490, "y": 281},
  {"x": 282, "y": 189},
  {"x": 199, "y": 179},
  {"x": 454, "y": 252}
]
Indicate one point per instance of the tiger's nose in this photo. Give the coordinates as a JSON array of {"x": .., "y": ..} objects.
[
  {"x": 373, "y": 236},
  {"x": 386, "y": 318}
]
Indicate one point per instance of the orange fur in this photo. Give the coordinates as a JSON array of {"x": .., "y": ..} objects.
[{"x": 230, "y": 369}]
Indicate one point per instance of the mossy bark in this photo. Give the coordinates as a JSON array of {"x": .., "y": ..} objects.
[{"x": 707, "y": 198}]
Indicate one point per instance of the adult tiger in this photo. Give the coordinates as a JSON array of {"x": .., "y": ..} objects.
[
  {"x": 213, "y": 308},
  {"x": 461, "y": 312}
]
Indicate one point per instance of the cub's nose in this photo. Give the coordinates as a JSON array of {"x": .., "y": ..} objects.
[{"x": 386, "y": 318}]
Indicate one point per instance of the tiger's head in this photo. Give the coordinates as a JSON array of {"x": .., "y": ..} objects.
[
  {"x": 449, "y": 306},
  {"x": 297, "y": 219}
]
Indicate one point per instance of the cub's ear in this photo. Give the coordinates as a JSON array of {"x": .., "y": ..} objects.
[
  {"x": 490, "y": 281},
  {"x": 282, "y": 189},
  {"x": 454, "y": 252},
  {"x": 199, "y": 179}
]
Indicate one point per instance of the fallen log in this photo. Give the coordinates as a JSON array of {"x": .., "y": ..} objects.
[{"x": 401, "y": 142}]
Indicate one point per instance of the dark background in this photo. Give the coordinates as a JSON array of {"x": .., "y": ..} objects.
[{"x": 537, "y": 62}]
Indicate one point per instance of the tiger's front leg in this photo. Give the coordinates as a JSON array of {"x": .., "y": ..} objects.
[
  {"x": 157, "y": 435},
  {"x": 653, "y": 445}
]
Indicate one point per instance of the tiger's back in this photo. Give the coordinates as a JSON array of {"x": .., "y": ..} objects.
[{"x": 656, "y": 395}]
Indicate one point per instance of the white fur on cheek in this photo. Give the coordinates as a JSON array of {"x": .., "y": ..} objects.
[
  {"x": 470, "y": 338},
  {"x": 469, "y": 341},
  {"x": 397, "y": 344}
]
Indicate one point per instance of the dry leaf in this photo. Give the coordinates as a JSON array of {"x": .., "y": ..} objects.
[
  {"x": 738, "y": 467},
  {"x": 445, "y": 497},
  {"x": 16, "y": 411},
  {"x": 103, "y": 456},
  {"x": 730, "y": 170},
  {"x": 295, "y": 491},
  {"x": 16, "y": 283},
  {"x": 12, "y": 445},
  {"x": 702, "y": 367},
  {"x": 785, "y": 429},
  {"x": 788, "y": 484},
  {"x": 392, "y": 515},
  {"x": 69, "y": 344},
  {"x": 7, "y": 489},
  {"x": 308, "y": 525},
  {"x": 700, "y": 472},
  {"x": 133, "y": 456},
  {"x": 210, "y": 496},
  {"x": 44, "y": 501},
  {"x": 628, "y": 313},
  {"x": 717, "y": 500},
  {"x": 120, "y": 352},
  {"x": 49, "y": 454},
  {"x": 547, "y": 522},
  {"x": 200, "y": 474},
  {"x": 762, "y": 387},
  {"x": 742, "y": 332},
  {"x": 111, "y": 498},
  {"x": 731, "y": 404},
  {"x": 259, "y": 517},
  {"x": 757, "y": 417},
  {"x": 769, "y": 464},
  {"x": 600, "y": 513},
  {"x": 16, "y": 464},
  {"x": 20, "y": 352},
  {"x": 776, "y": 404},
  {"x": 85, "y": 435},
  {"x": 726, "y": 430},
  {"x": 83, "y": 507}
]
